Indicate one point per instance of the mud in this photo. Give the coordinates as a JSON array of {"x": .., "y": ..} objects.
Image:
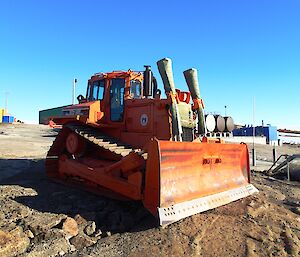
[{"x": 42, "y": 218}]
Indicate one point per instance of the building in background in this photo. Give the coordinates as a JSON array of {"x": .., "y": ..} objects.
[
  {"x": 2, "y": 113},
  {"x": 287, "y": 136},
  {"x": 5, "y": 117},
  {"x": 270, "y": 132},
  {"x": 46, "y": 115}
]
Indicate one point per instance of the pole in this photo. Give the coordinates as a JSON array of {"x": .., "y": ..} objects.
[
  {"x": 253, "y": 136},
  {"x": 73, "y": 91},
  {"x": 274, "y": 154},
  {"x": 225, "y": 110},
  {"x": 288, "y": 169},
  {"x": 6, "y": 101}
]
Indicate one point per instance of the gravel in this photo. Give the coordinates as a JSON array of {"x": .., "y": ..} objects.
[{"x": 41, "y": 218}]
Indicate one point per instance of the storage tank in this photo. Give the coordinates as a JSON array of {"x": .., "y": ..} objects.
[
  {"x": 229, "y": 124},
  {"x": 220, "y": 123},
  {"x": 210, "y": 122}
]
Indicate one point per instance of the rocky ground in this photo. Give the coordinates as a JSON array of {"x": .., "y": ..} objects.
[{"x": 41, "y": 218}]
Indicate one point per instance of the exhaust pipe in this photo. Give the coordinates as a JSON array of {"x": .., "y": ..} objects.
[
  {"x": 165, "y": 71},
  {"x": 147, "y": 81},
  {"x": 191, "y": 78}
]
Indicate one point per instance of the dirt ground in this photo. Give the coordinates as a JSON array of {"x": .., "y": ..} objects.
[{"x": 41, "y": 218}]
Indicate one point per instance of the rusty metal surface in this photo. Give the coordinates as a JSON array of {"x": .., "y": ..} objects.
[
  {"x": 97, "y": 172},
  {"x": 179, "y": 211},
  {"x": 192, "y": 170},
  {"x": 176, "y": 172}
]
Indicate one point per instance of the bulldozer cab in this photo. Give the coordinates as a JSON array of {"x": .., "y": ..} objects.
[
  {"x": 127, "y": 83},
  {"x": 111, "y": 90}
]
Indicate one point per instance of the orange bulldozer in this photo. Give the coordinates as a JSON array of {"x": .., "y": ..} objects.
[{"x": 124, "y": 139}]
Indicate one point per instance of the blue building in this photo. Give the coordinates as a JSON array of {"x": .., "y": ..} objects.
[{"x": 270, "y": 132}]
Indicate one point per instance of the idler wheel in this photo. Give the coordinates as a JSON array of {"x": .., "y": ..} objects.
[{"x": 75, "y": 144}]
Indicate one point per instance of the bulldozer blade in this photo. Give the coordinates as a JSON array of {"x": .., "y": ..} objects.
[{"x": 186, "y": 178}]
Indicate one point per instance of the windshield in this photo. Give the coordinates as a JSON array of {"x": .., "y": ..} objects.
[{"x": 96, "y": 90}]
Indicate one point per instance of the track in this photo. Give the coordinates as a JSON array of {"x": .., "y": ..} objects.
[
  {"x": 103, "y": 141},
  {"x": 92, "y": 135}
]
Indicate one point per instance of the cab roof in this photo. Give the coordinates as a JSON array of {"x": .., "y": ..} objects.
[{"x": 117, "y": 74}]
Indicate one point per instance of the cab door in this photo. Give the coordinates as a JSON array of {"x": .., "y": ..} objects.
[{"x": 117, "y": 90}]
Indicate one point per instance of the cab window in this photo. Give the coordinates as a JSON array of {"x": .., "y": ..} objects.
[
  {"x": 117, "y": 89},
  {"x": 135, "y": 89},
  {"x": 97, "y": 90}
]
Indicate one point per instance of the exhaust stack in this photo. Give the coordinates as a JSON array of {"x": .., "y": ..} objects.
[
  {"x": 165, "y": 71},
  {"x": 148, "y": 81},
  {"x": 191, "y": 78}
]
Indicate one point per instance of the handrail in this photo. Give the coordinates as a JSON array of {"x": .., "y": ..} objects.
[
  {"x": 282, "y": 155},
  {"x": 287, "y": 161}
]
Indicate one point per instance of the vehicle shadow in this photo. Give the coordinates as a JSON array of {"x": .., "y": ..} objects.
[{"x": 108, "y": 214}]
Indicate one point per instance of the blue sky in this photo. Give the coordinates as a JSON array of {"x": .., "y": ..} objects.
[{"x": 242, "y": 49}]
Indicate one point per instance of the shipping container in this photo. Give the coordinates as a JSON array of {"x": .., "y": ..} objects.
[
  {"x": 7, "y": 119},
  {"x": 46, "y": 115}
]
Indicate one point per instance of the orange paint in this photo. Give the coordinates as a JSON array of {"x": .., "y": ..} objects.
[{"x": 173, "y": 172}]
